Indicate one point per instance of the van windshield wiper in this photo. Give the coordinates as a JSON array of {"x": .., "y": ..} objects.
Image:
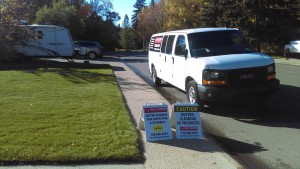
[
  {"x": 238, "y": 51},
  {"x": 203, "y": 52}
]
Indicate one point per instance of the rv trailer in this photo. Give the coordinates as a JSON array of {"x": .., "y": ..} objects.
[{"x": 48, "y": 41}]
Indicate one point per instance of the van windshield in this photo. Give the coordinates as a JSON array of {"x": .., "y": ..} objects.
[{"x": 214, "y": 43}]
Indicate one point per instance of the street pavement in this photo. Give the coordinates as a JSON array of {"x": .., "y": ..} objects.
[
  {"x": 169, "y": 154},
  {"x": 288, "y": 61}
]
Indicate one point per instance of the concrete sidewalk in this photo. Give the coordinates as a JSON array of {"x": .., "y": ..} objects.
[
  {"x": 169, "y": 154},
  {"x": 173, "y": 154}
]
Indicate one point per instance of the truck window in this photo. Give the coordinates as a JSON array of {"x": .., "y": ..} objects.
[
  {"x": 180, "y": 46},
  {"x": 163, "y": 46},
  {"x": 170, "y": 44},
  {"x": 214, "y": 43},
  {"x": 151, "y": 44}
]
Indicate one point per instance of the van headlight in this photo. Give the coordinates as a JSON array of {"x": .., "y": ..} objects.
[
  {"x": 213, "y": 77},
  {"x": 271, "y": 74}
]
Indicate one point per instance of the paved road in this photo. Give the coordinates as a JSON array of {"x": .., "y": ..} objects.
[{"x": 258, "y": 136}]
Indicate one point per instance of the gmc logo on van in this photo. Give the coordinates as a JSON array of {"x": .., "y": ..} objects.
[{"x": 249, "y": 76}]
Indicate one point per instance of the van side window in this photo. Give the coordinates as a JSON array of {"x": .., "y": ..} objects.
[
  {"x": 155, "y": 43},
  {"x": 170, "y": 44},
  {"x": 180, "y": 45},
  {"x": 163, "y": 46},
  {"x": 151, "y": 44}
]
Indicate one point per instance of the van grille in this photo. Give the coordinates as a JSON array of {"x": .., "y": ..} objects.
[{"x": 247, "y": 77}]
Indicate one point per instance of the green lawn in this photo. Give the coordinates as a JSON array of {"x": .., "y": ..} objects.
[{"x": 54, "y": 114}]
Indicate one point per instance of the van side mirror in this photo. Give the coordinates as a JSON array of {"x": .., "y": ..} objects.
[{"x": 186, "y": 53}]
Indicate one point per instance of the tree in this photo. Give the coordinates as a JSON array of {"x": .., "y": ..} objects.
[
  {"x": 139, "y": 5},
  {"x": 126, "y": 23},
  {"x": 183, "y": 14},
  {"x": 11, "y": 12},
  {"x": 292, "y": 24},
  {"x": 151, "y": 20},
  {"x": 100, "y": 24},
  {"x": 104, "y": 8},
  {"x": 109, "y": 35},
  {"x": 36, "y": 4},
  {"x": 57, "y": 14},
  {"x": 263, "y": 20},
  {"x": 76, "y": 3},
  {"x": 127, "y": 40},
  {"x": 152, "y": 3},
  {"x": 63, "y": 14}
]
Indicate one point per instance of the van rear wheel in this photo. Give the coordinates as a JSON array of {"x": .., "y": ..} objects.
[
  {"x": 192, "y": 94},
  {"x": 156, "y": 80}
]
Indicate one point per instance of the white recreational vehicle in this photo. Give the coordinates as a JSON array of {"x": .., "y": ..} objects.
[{"x": 49, "y": 41}]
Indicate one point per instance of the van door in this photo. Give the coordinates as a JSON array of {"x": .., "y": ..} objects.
[
  {"x": 155, "y": 58},
  {"x": 167, "y": 54},
  {"x": 179, "y": 62}
]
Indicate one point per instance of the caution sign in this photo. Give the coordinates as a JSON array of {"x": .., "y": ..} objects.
[
  {"x": 187, "y": 121},
  {"x": 157, "y": 122}
]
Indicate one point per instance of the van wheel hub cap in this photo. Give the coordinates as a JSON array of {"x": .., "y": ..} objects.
[
  {"x": 192, "y": 95},
  {"x": 154, "y": 75}
]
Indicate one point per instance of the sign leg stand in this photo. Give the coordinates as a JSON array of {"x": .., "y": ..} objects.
[
  {"x": 141, "y": 125},
  {"x": 172, "y": 120}
]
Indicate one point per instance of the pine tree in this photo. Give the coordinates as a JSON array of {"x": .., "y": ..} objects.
[
  {"x": 126, "y": 35},
  {"x": 139, "y": 5},
  {"x": 126, "y": 23},
  {"x": 152, "y": 3}
]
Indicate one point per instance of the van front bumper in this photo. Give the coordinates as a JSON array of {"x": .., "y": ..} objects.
[{"x": 227, "y": 94}]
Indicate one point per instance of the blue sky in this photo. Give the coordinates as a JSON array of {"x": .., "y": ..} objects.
[{"x": 125, "y": 7}]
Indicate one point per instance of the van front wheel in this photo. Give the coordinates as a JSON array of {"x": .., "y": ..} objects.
[
  {"x": 156, "y": 80},
  {"x": 192, "y": 94}
]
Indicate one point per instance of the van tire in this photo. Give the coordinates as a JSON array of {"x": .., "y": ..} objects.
[
  {"x": 156, "y": 80},
  {"x": 192, "y": 94},
  {"x": 92, "y": 55}
]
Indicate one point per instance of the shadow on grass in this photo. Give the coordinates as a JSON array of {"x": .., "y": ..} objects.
[
  {"x": 79, "y": 76},
  {"x": 74, "y": 72},
  {"x": 35, "y": 64}
]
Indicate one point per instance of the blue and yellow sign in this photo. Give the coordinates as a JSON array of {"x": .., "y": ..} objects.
[
  {"x": 187, "y": 121},
  {"x": 157, "y": 122}
]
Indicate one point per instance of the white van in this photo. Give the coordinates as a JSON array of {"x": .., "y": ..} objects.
[
  {"x": 49, "y": 41},
  {"x": 211, "y": 65}
]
